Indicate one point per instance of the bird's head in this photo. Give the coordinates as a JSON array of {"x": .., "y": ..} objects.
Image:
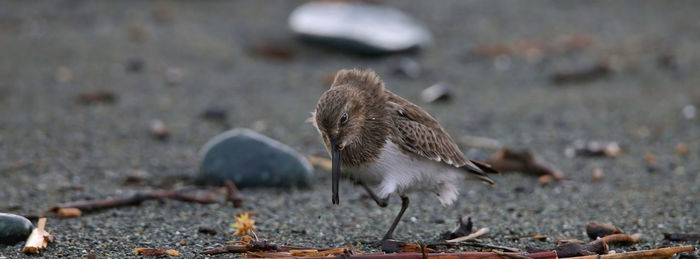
[{"x": 347, "y": 114}]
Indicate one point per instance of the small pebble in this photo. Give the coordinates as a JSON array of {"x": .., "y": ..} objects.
[
  {"x": 94, "y": 97},
  {"x": 63, "y": 74},
  {"x": 689, "y": 111},
  {"x": 214, "y": 114},
  {"x": 682, "y": 149},
  {"x": 597, "y": 174},
  {"x": 137, "y": 33},
  {"x": 544, "y": 179},
  {"x": 650, "y": 159},
  {"x": 207, "y": 230},
  {"x": 408, "y": 67},
  {"x": 174, "y": 75},
  {"x": 14, "y": 228},
  {"x": 436, "y": 92},
  {"x": 162, "y": 13},
  {"x": 134, "y": 65},
  {"x": 159, "y": 131}
]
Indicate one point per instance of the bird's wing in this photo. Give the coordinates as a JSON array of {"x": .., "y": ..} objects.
[{"x": 420, "y": 133}]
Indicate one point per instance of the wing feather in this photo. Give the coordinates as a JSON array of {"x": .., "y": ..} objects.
[{"x": 420, "y": 133}]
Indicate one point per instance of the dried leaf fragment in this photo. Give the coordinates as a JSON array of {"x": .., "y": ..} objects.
[
  {"x": 69, "y": 212},
  {"x": 596, "y": 230},
  {"x": 682, "y": 236},
  {"x": 243, "y": 225}
]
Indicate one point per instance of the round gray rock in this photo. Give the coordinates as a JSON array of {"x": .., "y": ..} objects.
[
  {"x": 251, "y": 159},
  {"x": 359, "y": 27},
  {"x": 14, "y": 228}
]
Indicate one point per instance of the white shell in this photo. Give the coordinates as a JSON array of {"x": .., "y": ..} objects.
[{"x": 381, "y": 27}]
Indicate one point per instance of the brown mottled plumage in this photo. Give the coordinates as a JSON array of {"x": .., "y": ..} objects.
[{"x": 379, "y": 138}]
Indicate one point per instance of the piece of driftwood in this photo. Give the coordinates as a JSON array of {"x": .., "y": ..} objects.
[
  {"x": 619, "y": 239},
  {"x": 472, "y": 236},
  {"x": 155, "y": 252},
  {"x": 666, "y": 252},
  {"x": 570, "y": 241},
  {"x": 533, "y": 236},
  {"x": 581, "y": 75},
  {"x": 682, "y": 236},
  {"x": 573, "y": 249},
  {"x": 473, "y": 244},
  {"x": 509, "y": 160},
  {"x": 38, "y": 239},
  {"x": 415, "y": 248},
  {"x": 460, "y": 255},
  {"x": 254, "y": 246},
  {"x": 136, "y": 199},
  {"x": 596, "y": 230},
  {"x": 317, "y": 253},
  {"x": 69, "y": 212}
]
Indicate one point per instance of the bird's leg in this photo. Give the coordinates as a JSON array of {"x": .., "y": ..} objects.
[
  {"x": 388, "y": 242},
  {"x": 380, "y": 202}
]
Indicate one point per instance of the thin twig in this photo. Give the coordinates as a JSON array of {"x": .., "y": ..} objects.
[
  {"x": 478, "y": 233},
  {"x": 232, "y": 194},
  {"x": 472, "y": 244},
  {"x": 666, "y": 252},
  {"x": 135, "y": 199}
]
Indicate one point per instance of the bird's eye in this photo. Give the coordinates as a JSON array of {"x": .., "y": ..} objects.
[{"x": 344, "y": 118}]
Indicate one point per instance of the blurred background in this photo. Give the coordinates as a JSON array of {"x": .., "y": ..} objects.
[{"x": 93, "y": 92}]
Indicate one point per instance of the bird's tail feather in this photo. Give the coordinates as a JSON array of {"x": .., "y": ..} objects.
[{"x": 480, "y": 171}]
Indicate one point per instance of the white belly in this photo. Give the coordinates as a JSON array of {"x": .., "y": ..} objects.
[{"x": 396, "y": 172}]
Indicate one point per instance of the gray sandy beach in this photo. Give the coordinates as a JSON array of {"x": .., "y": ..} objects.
[{"x": 192, "y": 55}]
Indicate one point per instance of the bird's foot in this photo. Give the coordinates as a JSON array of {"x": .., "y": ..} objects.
[{"x": 390, "y": 245}]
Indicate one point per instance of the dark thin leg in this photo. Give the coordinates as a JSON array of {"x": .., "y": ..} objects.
[
  {"x": 404, "y": 206},
  {"x": 380, "y": 202}
]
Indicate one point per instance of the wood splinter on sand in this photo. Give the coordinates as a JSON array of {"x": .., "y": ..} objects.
[
  {"x": 39, "y": 238},
  {"x": 460, "y": 255},
  {"x": 472, "y": 236},
  {"x": 666, "y": 252},
  {"x": 135, "y": 199}
]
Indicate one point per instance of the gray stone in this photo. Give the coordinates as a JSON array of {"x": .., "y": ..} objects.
[
  {"x": 14, "y": 228},
  {"x": 408, "y": 67},
  {"x": 359, "y": 27},
  {"x": 251, "y": 159},
  {"x": 436, "y": 92}
]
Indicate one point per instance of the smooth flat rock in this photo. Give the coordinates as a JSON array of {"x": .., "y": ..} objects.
[
  {"x": 250, "y": 159},
  {"x": 358, "y": 27},
  {"x": 436, "y": 92},
  {"x": 14, "y": 228}
]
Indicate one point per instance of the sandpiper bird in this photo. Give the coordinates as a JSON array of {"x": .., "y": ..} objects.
[{"x": 378, "y": 138}]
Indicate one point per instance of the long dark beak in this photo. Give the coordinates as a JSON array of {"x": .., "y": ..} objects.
[{"x": 335, "y": 152}]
